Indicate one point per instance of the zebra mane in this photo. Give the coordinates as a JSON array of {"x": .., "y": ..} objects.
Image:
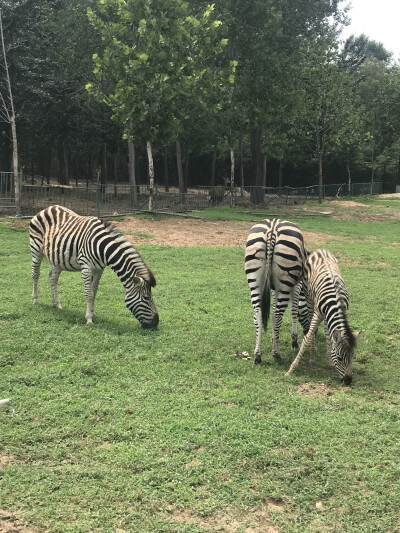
[
  {"x": 348, "y": 335},
  {"x": 120, "y": 237}
]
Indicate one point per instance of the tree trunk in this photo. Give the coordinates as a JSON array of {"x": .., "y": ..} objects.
[
  {"x": 320, "y": 178},
  {"x": 213, "y": 163},
  {"x": 166, "y": 176},
  {"x": 103, "y": 166},
  {"x": 180, "y": 170},
  {"x": 264, "y": 170},
  {"x": 132, "y": 175},
  {"x": 373, "y": 165},
  {"x": 15, "y": 166},
  {"x": 151, "y": 176},
  {"x": 241, "y": 169},
  {"x": 232, "y": 176},
  {"x": 10, "y": 114},
  {"x": 64, "y": 168},
  {"x": 348, "y": 173},
  {"x": 280, "y": 174},
  {"x": 257, "y": 191},
  {"x": 186, "y": 173}
]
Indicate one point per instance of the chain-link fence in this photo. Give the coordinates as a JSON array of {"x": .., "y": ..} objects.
[{"x": 115, "y": 199}]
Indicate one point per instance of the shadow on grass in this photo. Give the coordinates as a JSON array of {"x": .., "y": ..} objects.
[{"x": 77, "y": 318}]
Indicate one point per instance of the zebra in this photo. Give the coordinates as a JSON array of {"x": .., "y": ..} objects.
[
  {"x": 328, "y": 300},
  {"x": 274, "y": 257},
  {"x": 72, "y": 242}
]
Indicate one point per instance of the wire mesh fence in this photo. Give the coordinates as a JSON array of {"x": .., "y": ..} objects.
[{"x": 117, "y": 199}]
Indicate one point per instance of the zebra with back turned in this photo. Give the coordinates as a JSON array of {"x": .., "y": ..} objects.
[
  {"x": 274, "y": 257},
  {"x": 328, "y": 300},
  {"x": 87, "y": 244}
]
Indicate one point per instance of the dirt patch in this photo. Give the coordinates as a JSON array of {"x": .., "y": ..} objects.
[
  {"x": 5, "y": 461},
  {"x": 9, "y": 523},
  {"x": 392, "y": 195},
  {"x": 189, "y": 232},
  {"x": 256, "y": 520},
  {"x": 346, "y": 203},
  {"x": 315, "y": 390},
  {"x": 17, "y": 224}
]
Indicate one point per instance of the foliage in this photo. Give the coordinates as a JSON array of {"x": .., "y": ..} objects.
[{"x": 156, "y": 56}]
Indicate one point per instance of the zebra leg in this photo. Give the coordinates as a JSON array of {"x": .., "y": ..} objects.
[
  {"x": 95, "y": 280},
  {"x": 307, "y": 341},
  {"x": 328, "y": 346},
  {"x": 53, "y": 278},
  {"x": 281, "y": 302},
  {"x": 87, "y": 276},
  {"x": 258, "y": 325},
  {"x": 36, "y": 262},
  {"x": 294, "y": 311}
]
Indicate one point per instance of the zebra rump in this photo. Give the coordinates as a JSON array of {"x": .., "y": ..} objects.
[
  {"x": 87, "y": 244},
  {"x": 274, "y": 257}
]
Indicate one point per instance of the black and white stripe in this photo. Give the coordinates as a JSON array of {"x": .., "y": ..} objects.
[
  {"x": 328, "y": 300},
  {"x": 274, "y": 258},
  {"x": 87, "y": 244}
]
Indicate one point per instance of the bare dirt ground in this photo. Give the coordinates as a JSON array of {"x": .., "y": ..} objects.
[
  {"x": 191, "y": 232},
  {"x": 194, "y": 232}
]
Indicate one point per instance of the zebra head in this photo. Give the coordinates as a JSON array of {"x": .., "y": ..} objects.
[
  {"x": 343, "y": 345},
  {"x": 139, "y": 301}
]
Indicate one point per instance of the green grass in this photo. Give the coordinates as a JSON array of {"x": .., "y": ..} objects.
[{"x": 122, "y": 429}]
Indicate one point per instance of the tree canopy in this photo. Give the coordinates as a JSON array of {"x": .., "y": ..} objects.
[{"x": 267, "y": 78}]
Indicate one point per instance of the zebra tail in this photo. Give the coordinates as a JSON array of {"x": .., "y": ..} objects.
[
  {"x": 266, "y": 293},
  {"x": 265, "y": 305}
]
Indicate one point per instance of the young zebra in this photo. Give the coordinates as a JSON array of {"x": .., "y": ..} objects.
[
  {"x": 73, "y": 242},
  {"x": 274, "y": 258},
  {"x": 328, "y": 300}
]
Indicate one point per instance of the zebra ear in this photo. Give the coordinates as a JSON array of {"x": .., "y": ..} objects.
[
  {"x": 359, "y": 335},
  {"x": 336, "y": 336}
]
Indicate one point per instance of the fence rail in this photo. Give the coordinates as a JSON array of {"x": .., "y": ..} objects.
[{"x": 114, "y": 199}]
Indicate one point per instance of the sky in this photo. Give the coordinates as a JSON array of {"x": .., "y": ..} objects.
[{"x": 379, "y": 20}]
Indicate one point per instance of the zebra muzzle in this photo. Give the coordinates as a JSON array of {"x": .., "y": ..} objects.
[
  {"x": 347, "y": 380},
  {"x": 151, "y": 324}
]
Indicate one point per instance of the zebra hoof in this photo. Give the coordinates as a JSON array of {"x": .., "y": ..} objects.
[
  {"x": 277, "y": 357},
  {"x": 257, "y": 359},
  {"x": 295, "y": 345}
]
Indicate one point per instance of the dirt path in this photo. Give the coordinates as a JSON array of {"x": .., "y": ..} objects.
[{"x": 189, "y": 232}]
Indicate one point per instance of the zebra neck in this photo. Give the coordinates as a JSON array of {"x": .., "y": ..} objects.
[{"x": 126, "y": 262}]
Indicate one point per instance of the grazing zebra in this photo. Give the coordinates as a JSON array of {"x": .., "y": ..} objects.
[
  {"x": 274, "y": 258},
  {"x": 72, "y": 242},
  {"x": 328, "y": 299}
]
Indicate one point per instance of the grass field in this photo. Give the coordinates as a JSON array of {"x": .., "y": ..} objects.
[{"x": 118, "y": 429}]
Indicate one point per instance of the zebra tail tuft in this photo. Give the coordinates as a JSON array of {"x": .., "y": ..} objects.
[{"x": 265, "y": 305}]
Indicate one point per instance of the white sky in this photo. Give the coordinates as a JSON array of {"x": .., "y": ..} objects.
[{"x": 378, "y": 19}]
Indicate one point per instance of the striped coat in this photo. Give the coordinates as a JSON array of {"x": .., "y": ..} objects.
[
  {"x": 87, "y": 244},
  {"x": 274, "y": 257},
  {"x": 328, "y": 301}
]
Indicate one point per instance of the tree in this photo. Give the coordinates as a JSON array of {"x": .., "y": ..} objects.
[
  {"x": 156, "y": 56},
  {"x": 7, "y": 112},
  {"x": 328, "y": 103},
  {"x": 265, "y": 37}
]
